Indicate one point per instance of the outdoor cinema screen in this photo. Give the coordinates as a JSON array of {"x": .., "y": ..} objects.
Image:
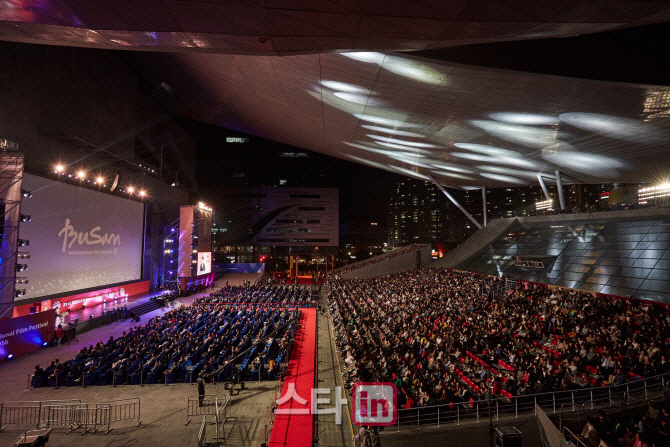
[{"x": 79, "y": 238}]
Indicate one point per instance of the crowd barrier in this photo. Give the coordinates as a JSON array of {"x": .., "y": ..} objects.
[
  {"x": 214, "y": 405},
  {"x": 72, "y": 413},
  {"x": 615, "y": 396},
  {"x": 217, "y": 405},
  {"x": 202, "y": 434}
]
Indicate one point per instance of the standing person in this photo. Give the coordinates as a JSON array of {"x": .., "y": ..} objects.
[
  {"x": 364, "y": 437},
  {"x": 201, "y": 389},
  {"x": 374, "y": 437},
  {"x": 59, "y": 334}
]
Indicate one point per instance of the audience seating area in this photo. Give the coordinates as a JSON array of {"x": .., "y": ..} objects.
[
  {"x": 441, "y": 339},
  {"x": 267, "y": 294},
  {"x": 188, "y": 341}
]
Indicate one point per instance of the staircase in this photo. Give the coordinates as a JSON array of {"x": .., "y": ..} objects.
[{"x": 145, "y": 307}]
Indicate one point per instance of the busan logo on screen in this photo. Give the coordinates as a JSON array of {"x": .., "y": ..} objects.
[{"x": 374, "y": 404}]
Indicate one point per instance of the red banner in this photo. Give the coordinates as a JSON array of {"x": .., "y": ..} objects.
[{"x": 22, "y": 335}]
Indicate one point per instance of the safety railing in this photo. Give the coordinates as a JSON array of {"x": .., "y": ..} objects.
[
  {"x": 123, "y": 410},
  {"x": 621, "y": 396},
  {"x": 27, "y": 412},
  {"x": 202, "y": 434},
  {"x": 72, "y": 414},
  {"x": 207, "y": 405},
  {"x": 20, "y": 413}
]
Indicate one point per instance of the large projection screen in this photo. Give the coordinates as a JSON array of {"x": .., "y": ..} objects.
[{"x": 79, "y": 238}]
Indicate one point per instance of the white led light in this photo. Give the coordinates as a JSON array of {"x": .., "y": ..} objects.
[
  {"x": 453, "y": 168},
  {"x": 386, "y": 121},
  {"x": 365, "y": 56},
  {"x": 502, "y": 178},
  {"x": 585, "y": 163},
  {"x": 399, "y": 141},
  {"x": 403, "y": 148},
  {"x": 365, "y": 100},
  {"x": 626, "y": 129},
  {"x": 529, "y": 136},
  {"x": 402, "y": 133},
  {"x": 452, "y": 175},
  {"x": 343, "y": 87},
  {"x": 531, "y": 119},
  {"x": 521, "y": 162}
]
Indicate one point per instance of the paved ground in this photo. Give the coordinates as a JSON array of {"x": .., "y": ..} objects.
[
  {"x": 163, "y": 409},
  {"x": 329, "y": 376}
]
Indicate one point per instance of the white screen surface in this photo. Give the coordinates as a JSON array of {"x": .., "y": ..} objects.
[{"x": 79, "y": 238}]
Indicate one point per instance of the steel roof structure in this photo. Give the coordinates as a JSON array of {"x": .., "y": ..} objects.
[{"x": 332, "y": 77}]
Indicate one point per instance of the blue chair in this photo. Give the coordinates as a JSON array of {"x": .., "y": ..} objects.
[{"x": 70, "y": 380}]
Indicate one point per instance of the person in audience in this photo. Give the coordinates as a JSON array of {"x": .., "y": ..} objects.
[
  {"x": 190, "y": 340},
  {"x": 440, "y": 337}
]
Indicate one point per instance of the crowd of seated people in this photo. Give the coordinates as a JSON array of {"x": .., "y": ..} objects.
[
  {"x": 177, "y": 347},
  {"x": 261, "y": 294},
  {"x": 441, "y": 338},
  {"x": 383, "y": 257},
  {"x": 628, "y": 429}
]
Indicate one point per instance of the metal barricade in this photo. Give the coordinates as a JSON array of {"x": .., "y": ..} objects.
[
  {"x": 20, "y": 413},
  {"x": 97, "y": 416},
  {"x": 561, "y": 402},
  {"x": 122, "y": 410},
  {"x": 208, "y": 405},
  {"x": 202, "y": 434},
  {"x": 64, "y": 415}
]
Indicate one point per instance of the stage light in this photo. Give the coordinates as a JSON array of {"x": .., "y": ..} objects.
[
  {"x": 131, "y": 189},
  {"x": 100, "y": 180},
  {"x": 23, "y": 242},
  {"x": 25, "y": 218},
  {"x": 9, "y": 357},
  {"x": 142, "y": 193},
  {"x": 59, "y": 168},
  {"x": 26, "y": 194},
  {"x": 45, "y": 343},
  {"x": 81, "y": 174},
  {"x": 21, "y": 267},
  {"x": 19, "y": 293}
]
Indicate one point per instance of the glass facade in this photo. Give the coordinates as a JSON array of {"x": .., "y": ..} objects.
[{"x": 621, "y": 257}]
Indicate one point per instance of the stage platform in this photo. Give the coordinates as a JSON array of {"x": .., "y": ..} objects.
[{"x": 98, "y": 310}]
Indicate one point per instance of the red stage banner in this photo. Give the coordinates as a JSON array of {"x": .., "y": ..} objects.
[{"x": 22, "y": 335}]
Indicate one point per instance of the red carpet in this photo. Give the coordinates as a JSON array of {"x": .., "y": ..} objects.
[{"x": 295, "y": 429}]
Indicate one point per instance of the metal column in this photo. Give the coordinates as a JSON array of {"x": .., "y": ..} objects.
[
  {"x": 559, "y": 187},
  {"x": 544, "y": 187},
  {"x": 484, "y": 205},
  {"x": 455, "y": 202}
]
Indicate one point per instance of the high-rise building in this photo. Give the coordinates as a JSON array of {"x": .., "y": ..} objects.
[{"x": 419, "y": 212}]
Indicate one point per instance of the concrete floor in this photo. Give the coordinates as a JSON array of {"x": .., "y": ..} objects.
[
  {"x": 329, "y": 375},
  {"x": 163, "y": 409}
]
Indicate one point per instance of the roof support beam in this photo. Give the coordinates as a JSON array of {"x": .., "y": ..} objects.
[
  {"x": 484, "y": 205},
  {"x": 544, "y": 187},
  {"x": 559, "y": 186},
  {"x": 455, "y": 202}
]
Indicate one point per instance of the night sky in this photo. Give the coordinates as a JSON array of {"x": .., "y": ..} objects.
[
  {"x": 636, "y": 55},
  {"x": 364, "y": 191}
]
